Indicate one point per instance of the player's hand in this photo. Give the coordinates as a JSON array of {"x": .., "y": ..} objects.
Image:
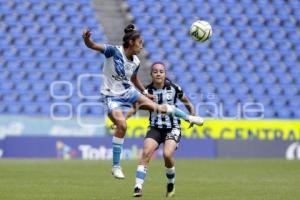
[
  {"x": 151, "y": 96},
  {"x": 86, "y": 34},
  {"x": 191, "y": 125}
]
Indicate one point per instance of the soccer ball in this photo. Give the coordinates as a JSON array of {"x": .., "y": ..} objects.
[{"x": 201, "y": 31}]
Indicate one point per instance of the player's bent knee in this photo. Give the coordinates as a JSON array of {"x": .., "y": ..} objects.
[{"x": 168, "y": 154}]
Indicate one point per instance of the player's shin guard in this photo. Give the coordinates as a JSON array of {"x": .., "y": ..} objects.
[
  {"x": 117, "y": 150},
  {"x": 172, "y": 110},
  {"x": 140, "y": 176},
  {"x": 170, "y": 173}
]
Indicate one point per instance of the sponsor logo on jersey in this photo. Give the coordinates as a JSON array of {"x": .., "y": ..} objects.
[
  {"x": 128, "y": 67},
  {"x": 120, "y": 78},
  {"x": 169, "y": 95}
]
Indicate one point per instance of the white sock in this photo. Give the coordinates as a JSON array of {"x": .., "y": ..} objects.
[
  {"x": 140, "y": 176},
  {"x": 117, "y": 144},
  {"x": 170, "y": 173},
  {"x": 117, "y": 140}
]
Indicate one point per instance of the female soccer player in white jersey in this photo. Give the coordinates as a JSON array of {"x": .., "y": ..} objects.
[
  {"x": 120, "y": 71},
  {"x": 163, "y": 128}
]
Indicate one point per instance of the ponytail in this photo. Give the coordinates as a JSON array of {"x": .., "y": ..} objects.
[{"x": 130, "y": 34}]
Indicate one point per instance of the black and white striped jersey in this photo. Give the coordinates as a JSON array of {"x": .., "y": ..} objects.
[{"x": 166, "y": 95}]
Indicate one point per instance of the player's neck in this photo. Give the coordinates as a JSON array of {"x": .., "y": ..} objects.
[
  {"x": 128, "y": 54},
  {"x": 158, "y": 85}
]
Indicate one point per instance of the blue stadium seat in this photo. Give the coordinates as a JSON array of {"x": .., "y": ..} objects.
[
  {"x": 43, "y": 45},
  {"x": 244, "y": 60},
  {"x": 245, "y": 49},
  {"x": 24, "y": 87},
  {"x": 282, "y": 112},
  {"x": 26, "y": 98},
  {"x": 16, "y": 109},
  {"x": 44, "y": 99},
  {"x": 296, "y": 112}
]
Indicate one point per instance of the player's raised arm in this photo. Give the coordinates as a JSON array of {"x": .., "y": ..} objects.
[
  {"x": 189, "y": 106},
  {"x": 137, "y": 82},
  {"x": 183, "y": 98},
  {"x": 86, "y": 35},
  {"x": 187, "y": 103},
  {"x": 139, "y": 85}
]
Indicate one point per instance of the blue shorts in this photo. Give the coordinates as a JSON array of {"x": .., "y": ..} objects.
[{"x": 122, "y": 102}]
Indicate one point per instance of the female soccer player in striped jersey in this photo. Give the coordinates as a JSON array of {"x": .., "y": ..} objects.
[
  {"x": 163, "y": 128},
  {"x": 118, "y": 91}
]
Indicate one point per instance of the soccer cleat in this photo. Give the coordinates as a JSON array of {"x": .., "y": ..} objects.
[
  {"x": 117, "y": 172},
  {"x": 196, "y": 120},
  {"x": 170, "y": 190},
  {"x": 137, "y": 192}
]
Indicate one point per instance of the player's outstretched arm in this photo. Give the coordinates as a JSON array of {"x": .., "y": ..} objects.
[
  {"x": 137, "y": 82},
  {"x": 189, "y": 106},
  {"x": 86, "y": 35}
]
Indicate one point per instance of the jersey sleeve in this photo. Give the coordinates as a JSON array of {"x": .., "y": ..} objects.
[
  {"x": 109, "y": 51},
  {"x": 179, "y": 91},
  {"x": 148, "y": 87}
]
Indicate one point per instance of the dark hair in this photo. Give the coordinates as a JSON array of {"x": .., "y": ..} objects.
[
  {"x": 158, "y": 62},
  {"x": 130, "y": 34}
]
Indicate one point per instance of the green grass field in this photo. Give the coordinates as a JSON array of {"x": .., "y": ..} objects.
[{"x": 195, "y": 179}]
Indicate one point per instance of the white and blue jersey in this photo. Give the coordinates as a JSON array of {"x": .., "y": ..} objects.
[
  {"x": 117, "y": 88},
  {"x": 118, "y": 71}
]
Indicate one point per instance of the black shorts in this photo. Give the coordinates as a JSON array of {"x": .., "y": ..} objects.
[{"x": 161, "y": 135}]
